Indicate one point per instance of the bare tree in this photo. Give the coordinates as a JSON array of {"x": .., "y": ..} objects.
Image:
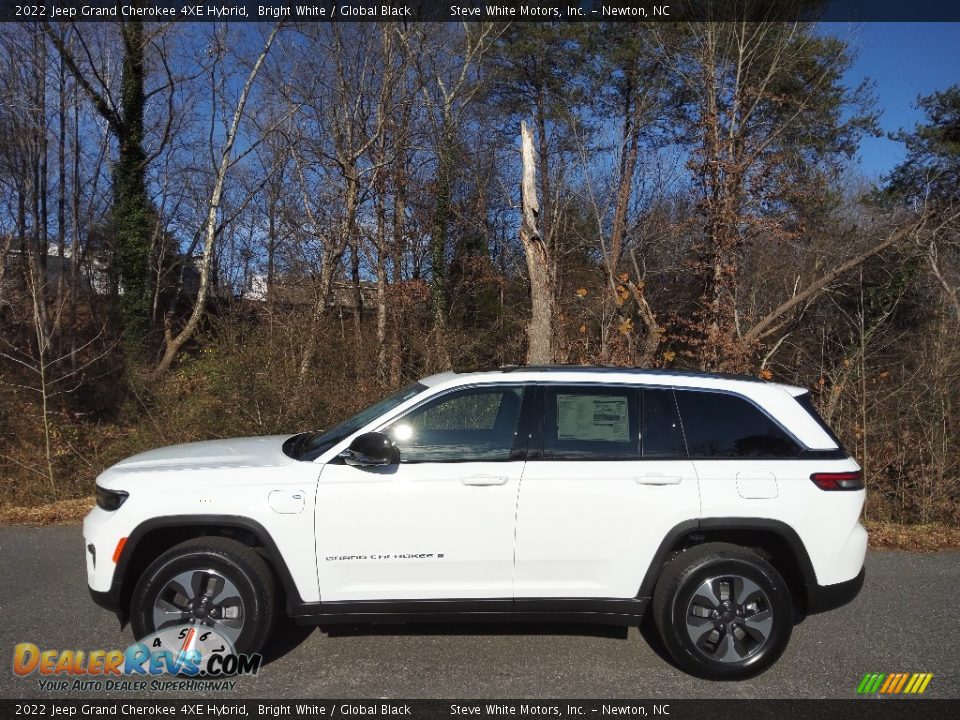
[
  {"x": 447, "y": 67},
  {"x": 174, "y": 341},
  {"x": 347, "y": 105}
]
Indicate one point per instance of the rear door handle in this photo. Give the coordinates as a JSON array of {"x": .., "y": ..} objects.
[
  {"x": 484, "y": 480},
  {"x": 658, "y": 479}
]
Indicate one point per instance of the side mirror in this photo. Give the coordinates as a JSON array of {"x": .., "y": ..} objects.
[{"x": 371, "y": 449}]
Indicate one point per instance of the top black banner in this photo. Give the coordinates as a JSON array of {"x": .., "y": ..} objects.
[{"x": 477, "y": 11}]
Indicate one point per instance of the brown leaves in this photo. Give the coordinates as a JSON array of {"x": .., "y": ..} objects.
[
  {"x": 622, "y": 295},
  {"x": 923, "y": 538}
]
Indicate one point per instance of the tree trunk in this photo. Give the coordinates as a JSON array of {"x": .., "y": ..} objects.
[
  {"x": 438, "y": 249},
  {"x": 380, "y": 205},
  {"x": 357, "y": 291},
  {"x": 332, "y": 255},
  {"x": 399, "y": 224},
  {"x": 75, "y": 230},
  {"x": 271, "y": 252},
  {"x": 539, "y": 264},
  {"x": 131, "y": 209},
  {"x": 628, "y": 165}
]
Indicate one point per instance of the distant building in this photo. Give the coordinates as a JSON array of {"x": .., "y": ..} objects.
[
  {"x": 342, "y": 300},
  {"x": 92, "y": 272},
  {"x": 94, "y": 275}
]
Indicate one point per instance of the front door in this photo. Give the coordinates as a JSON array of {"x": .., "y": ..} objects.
[
  {"x": 599, "y": 495},
  {"x": 438, "y": 525}
]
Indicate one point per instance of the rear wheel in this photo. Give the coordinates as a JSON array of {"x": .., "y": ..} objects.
[
  {"x": 723, "y": 611},
  {"x": 209, "y": 583}
]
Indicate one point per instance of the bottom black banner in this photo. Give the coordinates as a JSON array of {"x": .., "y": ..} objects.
[{"x": 868, "y": 709}]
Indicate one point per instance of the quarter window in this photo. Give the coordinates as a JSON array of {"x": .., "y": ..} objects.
[
  {"x": 586, "y": 423},
  {"x": 718, "y": 425},
  {"x": 473, "y": 425}
]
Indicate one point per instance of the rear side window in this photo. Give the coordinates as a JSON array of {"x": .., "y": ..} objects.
[
  {"x": 591, "y": 423},
  {"x": 661, "y": 437},
  {"x": 718, "y": 425}
]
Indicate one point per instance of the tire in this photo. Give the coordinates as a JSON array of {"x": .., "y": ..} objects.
[
  {"x": 242, "y": 594},
  {"x": 708, "y": 638}
]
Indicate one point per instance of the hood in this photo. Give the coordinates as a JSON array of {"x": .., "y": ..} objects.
[{"x": 263, "y": 451}]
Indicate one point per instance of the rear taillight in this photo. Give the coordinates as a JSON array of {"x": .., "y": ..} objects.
[{"x": 838, "y": 480}]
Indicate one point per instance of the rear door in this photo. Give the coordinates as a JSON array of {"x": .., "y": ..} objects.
[
  {"x": 598, "y": 495},
  {"x": 742, "y": 455}
]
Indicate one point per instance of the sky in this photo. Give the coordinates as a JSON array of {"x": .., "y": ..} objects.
[{"x": 904, "y": 60}]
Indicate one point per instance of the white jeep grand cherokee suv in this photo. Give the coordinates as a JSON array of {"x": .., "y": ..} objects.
[{"x": 721, "y": 504}]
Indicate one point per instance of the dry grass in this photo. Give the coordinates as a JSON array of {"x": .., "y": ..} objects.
[
  {"x": 56, "y": 513},
  {"x": 883, "y": 535},
  {"x": 918, "y": 538}
]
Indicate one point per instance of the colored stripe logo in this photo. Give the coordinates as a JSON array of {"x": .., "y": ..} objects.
[{"x": 894, "y": 683}]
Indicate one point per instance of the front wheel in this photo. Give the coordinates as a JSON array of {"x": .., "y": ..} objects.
[
  {"x": 723, "y": 611},
  {"x": 209, "y": 583}
]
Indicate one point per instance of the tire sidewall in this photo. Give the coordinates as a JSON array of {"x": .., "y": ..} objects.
[
  {"x": 675, "y": 630},
  {"x": 167, "y": 567}
]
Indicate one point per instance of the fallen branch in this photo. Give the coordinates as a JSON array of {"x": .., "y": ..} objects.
[{"x": 762, "y": 328}]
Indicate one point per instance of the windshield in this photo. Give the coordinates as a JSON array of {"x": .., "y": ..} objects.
[{"x": 311, "y": 445}]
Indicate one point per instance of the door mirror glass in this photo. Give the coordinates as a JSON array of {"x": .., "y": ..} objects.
[{"x": 370, "y": 450}]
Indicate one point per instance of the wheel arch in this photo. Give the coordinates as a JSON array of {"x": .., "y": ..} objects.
[
  {"x": 153, "y": 537},
  {"x": 776, "y": 541}
]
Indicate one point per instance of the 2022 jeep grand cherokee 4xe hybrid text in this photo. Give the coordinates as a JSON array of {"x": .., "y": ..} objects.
[{"x": 723, "y": 505}]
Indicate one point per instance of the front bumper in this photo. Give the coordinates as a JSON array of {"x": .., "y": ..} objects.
[
  {"x": 102, "y": 531},
  {"x": 109, "y": 600}
]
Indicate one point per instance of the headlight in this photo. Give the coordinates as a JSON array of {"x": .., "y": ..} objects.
[{"x": 110, "y": 499}]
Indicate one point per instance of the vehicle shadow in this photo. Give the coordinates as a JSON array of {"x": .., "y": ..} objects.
[
  {"x": 648, "y": 631},
  {"x": 288, "y": 635},
  {"x": 285, "y": 637},
  {"x": 466, "y": 627}
]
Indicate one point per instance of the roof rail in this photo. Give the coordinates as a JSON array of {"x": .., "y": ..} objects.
[{"x": 617, "y": 369}]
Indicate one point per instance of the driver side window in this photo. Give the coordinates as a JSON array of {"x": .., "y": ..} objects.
[{"x": 473, "y": 425}]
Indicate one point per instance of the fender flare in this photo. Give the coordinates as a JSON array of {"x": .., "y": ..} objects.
[
  {"x": 688, "y": 527},
  {"x": 113, "y": 599}
]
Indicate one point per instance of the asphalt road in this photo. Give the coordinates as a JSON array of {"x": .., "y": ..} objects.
[{"x": 907, "y": 619}]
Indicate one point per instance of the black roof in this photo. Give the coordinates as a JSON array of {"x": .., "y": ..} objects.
[{"x": 615, "y": 369}]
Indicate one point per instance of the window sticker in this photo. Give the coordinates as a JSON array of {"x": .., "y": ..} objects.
[{"x": 593, "y": 417}]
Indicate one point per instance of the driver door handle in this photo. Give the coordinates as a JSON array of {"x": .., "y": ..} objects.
[
  {"x": 484, "y": 480},
  {"x": 658, "y": 479}
]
